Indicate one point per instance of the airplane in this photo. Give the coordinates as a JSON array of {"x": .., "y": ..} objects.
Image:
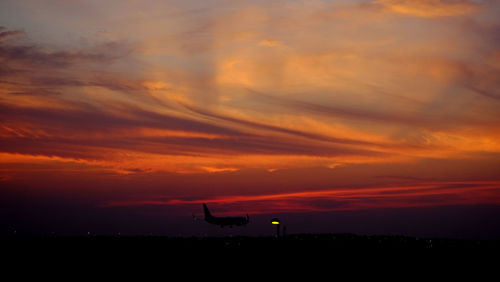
[{"x": 225, "y": 221}]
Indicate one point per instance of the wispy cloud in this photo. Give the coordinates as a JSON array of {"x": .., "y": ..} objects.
[
  {"x": 32, "y": 55},
  {"x": 425, "y": 194},
  {"x": 4, "y": 32},
  {"x": 429, "y": 8}
]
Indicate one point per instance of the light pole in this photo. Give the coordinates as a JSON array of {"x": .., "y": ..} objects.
[{"x": 276, "y": 221}]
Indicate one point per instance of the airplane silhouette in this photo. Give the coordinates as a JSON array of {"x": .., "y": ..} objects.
[{"x": 225, "y": 221}]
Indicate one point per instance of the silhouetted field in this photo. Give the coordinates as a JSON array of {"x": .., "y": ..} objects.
[{"x": 298, "y": 242}]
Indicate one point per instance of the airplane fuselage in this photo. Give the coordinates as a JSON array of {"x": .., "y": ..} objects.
[{"x": 225, "y": 221}]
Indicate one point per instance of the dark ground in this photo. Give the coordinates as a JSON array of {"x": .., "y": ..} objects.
[
  {"x": 297, "y": 242},
  {"x": 337, "y": 255}
]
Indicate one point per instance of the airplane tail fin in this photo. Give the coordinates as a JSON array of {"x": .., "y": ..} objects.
[{"x": 207, "y": 212}]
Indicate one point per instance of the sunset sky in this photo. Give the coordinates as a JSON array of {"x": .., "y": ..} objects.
[{"x": 338, "y": 116}]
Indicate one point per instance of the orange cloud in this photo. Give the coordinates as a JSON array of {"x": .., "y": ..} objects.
[
  {"x": 428, "y": 194},
  {"x": 269, "y": 43},
  {"x": 430, "y": 8}
]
